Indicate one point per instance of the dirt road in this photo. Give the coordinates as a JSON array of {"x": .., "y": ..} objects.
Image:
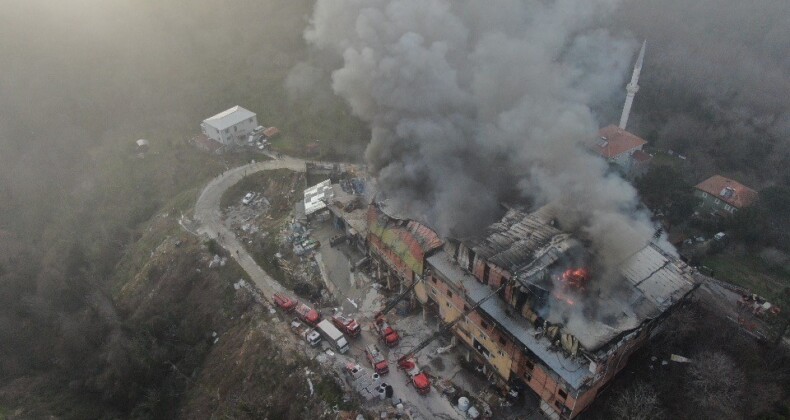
[{"x": 209, "y": 215}]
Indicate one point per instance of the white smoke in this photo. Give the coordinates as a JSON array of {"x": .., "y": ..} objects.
[{"x": 471, "y": 103}]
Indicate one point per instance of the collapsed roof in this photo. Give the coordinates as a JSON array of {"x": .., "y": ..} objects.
[{"x": 535, "y": 253}]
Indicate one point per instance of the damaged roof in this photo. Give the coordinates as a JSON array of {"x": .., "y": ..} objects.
[
  {"x": 574, "y": 371},
  {"x": 355, "y": 218},
  {"x": 646, "y": 284},
  {"x": 512, "y": 242},
  {"x": 410, "y": 240}
]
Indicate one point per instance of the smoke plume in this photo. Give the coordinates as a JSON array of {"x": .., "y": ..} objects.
[
  {"x": 717, "y": 83},
  {"x": 474, "y": 103}
]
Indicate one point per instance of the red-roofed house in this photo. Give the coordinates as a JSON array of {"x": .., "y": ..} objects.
[
  {"x": 622, "y": 148},
  {"x": 722, "y": 195}
]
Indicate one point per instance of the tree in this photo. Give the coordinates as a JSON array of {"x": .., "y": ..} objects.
[
  {"x": 767, "y": 221},
  {"x": 717, "y": 384},
  {"x": 640, "y": 401},
  {"x": 663, "y": 188}
]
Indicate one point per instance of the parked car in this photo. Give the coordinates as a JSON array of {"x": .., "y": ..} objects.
[{"x": 248, "y": 198}]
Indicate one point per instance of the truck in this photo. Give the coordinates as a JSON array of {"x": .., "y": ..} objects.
[
  {"x": 377, "y": 360},
  {"x": 284, "y": 302},
  {"x": 333, "y": 335},
  {"x": 418, "y": 378},
  {"x": 386, "y": 333},
  {"x": 348, "y": 326},
  {"x": 308, "y": 334},
  {"x": 308, "y": 314}
]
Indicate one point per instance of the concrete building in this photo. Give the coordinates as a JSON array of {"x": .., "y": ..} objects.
[
  {"x": 229, "y": 126},
  {"x": 552, "y": 325},
  {"x": 723, "y": 196}
]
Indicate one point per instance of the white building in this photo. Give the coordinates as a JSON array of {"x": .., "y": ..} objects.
[{"x": 230, "y": 125}]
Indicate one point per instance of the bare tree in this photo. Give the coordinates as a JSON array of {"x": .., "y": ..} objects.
[
  {"x": 717, "y": 384},
  {"x": 640, "y": 401}
]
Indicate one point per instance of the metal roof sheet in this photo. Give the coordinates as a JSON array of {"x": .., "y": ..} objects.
[
  {"x": 229, "y": 117},
  {"x": 316, "y": 197}
]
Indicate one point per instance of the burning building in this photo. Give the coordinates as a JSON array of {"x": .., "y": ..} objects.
[{"x": 558, "y": 323}]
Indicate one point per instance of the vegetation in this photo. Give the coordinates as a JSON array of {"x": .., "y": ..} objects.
[
  {"x": 729, "y": 375},
  {"x": 81, "y": 212},
  {"x": 664, "y": 190}
]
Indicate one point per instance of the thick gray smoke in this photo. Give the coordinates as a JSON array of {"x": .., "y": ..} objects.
[
  {"x": 716, "y": 84},
  {"x": 472, "y": 103}
]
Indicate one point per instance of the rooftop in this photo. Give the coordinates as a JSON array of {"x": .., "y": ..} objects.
[
  {"x": 351, "y": 207},
  {"x": 511, "y": 243},
  {"x": 409, "y": 239},
  {"x": 731, "y": 192},
  {"x": 229, "y": 117},
  {"x": 615, "y": 141}
]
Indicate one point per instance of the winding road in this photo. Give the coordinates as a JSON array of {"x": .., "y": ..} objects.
[{"x": 209, "y": 216}]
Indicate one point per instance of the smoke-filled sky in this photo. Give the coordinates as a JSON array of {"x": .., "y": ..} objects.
[
  {"x": 716, "y": 83},
  {"x": 474, "y": 103}
]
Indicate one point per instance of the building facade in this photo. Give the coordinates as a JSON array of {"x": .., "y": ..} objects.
[
  {"x": 518, "y": 331},
  {"x": 230, "y": 126}
]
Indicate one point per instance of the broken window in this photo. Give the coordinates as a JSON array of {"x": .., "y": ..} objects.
[
  {"x": 433, "y": 279},
  {"x": 479, "y": 347},
  {"x": 502, "y": 341},
  {"x": 449, "y": 294},
  {"x": 558, "y": 404},
  {"x": 529, "y": 364},
  {"x": 486, "y": 273},
  {"x": 561, "y": 392},
  {"x": 484, "y": 325},
  {"x": 466, "y": 307}
]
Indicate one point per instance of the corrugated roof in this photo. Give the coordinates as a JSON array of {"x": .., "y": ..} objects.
[
  {"x": 408, "y": 239},
  {"x": 229, "y": 117},
  {"x": 512, "y": 242},
  {"x": 615, "y": 141},
  {"x": 731, "y": 192}
]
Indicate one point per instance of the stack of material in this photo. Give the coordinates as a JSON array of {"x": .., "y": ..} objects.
[{"x": 364, "y": 383}]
